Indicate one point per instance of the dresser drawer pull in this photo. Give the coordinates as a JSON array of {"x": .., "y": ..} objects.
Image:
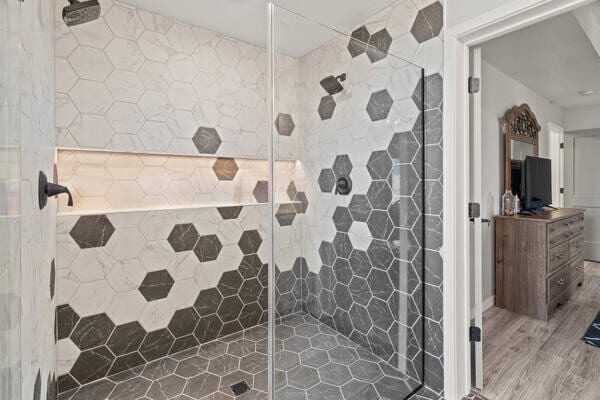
[
  {"x": 560, "y": 282},
  {"x": 579, "y": 268},
  {"x": 561, "y": 255},
  {"x": 578, "y": 246}
]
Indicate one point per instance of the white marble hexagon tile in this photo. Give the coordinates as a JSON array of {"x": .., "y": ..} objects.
[{"x": 138, "y": 81}]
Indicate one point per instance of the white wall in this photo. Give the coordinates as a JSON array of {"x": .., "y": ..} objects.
[
  {"x": 458, "y": 11},
  {"x": 578, "y": 119},
  {"x": 499, "y": 93}
]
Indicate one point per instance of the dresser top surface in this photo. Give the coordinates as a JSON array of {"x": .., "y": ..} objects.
[{"x": 545, "y": 216}]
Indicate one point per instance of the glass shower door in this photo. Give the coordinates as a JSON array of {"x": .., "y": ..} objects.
[
  {"x": 347, "y": 219},
  {"x": 10, "y": 222}
]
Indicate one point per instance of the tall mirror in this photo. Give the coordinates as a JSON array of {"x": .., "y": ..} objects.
[{"x": 521, "y": 131}]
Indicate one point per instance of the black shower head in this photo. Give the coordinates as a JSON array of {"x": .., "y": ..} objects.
[
  {"x": 81, "y": 12},
  {"x": 332, "y": 84}
]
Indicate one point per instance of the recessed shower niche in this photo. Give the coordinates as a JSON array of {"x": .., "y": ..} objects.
[{"x": 210, "y": 233}]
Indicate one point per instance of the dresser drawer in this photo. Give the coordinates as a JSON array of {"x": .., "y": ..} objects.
[
  {"x": 576, "y": 227},
  {"x": 558, "y": 282},
  {"x": 558, "y": 256},
  {"x": 576, "y": 246},
  {"x": 558, "y": 232},
  {"x": 576, "y": 268}
]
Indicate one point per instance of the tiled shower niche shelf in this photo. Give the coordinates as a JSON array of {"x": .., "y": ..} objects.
[{"x": 103, "y": 181}]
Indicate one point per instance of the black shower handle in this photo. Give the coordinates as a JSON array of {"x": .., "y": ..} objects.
[{"x": 48, "y": 189}]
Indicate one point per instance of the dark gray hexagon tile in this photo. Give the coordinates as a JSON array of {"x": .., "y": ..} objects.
[
  {"x": 359, "y": 207},
  {"x": 230, "y": 283},
  {"x": 131, "y": 390},
  {"x": 342, "y": 219},
  {"x": 285, "y": 214},
  {"x": 403, "y": 147},
  {"x": 360, "y": 316},
  {"x": 156, "y": 285},
  {"x": 326, "y": 107},
  {"x": 92, "y": 364},
  {"x": 230, "y": 212},
  {"x": 208, "y": 302},
  {"x": 94, "y": 391},
  {"x": 359, "y": 263},
  {"x": 302, "y": 377},
  {"x": 358, "y": 41},
  {"x": 92, "y": 231},
  {"x": 261, "y": 191},
  {"x": 156, "y": 344},
  {"x": 433, "y": 92},
  {"x": 360, "y": 291},
  {"x": 183, "y": 322},
  {"x": 343, "y": 355},
  {"x": 208, "y": 248},
  {"x": 326, "y": 180},
  {"x": 380, "y": 313},
  {"x": 380, "y": 254},
  {"x": 92, "y": 331},
  {"x": 192, "y": 366},
  {"x": 300, "y": 202},
  {"x": 428, "y": 23},
  {"x": 367, "y": 371},
  {"x": 357, "y": 390},
  {"x": 379, "y": 164},
  {"x": 284, "y": 124},
  {"x": 379, "y": 106},
  {"x": 230, "y": 309},
  {"x": 225, "y": 169},
  {"x": 183, "y": 237},
  {"x": 166, "y": 388},
  {"x": 380, "y": 225},
  {"x": 202, "y": 385},
  {"x": 66, "y": 319},
  {"x": 334, "y": 374},
  {"x": 223, "y": 365},
  {"x": 159, "y": 369},
  {"x": 125, "y": 363},
  {"x": 250, "y": 242},
  {"x": 207, "y": 140},
  {"x": 314, "y": 357},
  {"x": 379, "y": 44},
  {"x": 324, "y": 391},
  {"x": 254, "y": 363},
  {"x": 379, "y": 195},
  {"x": 342, "y": 245},
  {"x": 342, "y": 166},
  {"x": 327, "y": 253},
  {"x": 126, "y": 338}
]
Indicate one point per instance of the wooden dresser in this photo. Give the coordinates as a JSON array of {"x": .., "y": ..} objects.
[{"x": 539, "y": 261}]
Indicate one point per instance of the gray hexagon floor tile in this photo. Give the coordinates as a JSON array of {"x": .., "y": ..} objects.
[{"x": 314, "y": 362}]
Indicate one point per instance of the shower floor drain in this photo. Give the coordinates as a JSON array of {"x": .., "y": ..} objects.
[{"x": 240, "y": 388}]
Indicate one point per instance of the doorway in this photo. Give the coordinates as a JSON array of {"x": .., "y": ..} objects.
[
  {"x": 508, "y": 347},
  {"x": 459, "y": 40}
]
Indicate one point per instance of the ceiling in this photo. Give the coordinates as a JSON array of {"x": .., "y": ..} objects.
[
  {"x": 555, "y": 58},
  {"x": 247, "y": 19}
]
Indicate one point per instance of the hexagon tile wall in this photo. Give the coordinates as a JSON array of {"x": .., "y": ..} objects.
[
  {"x": 137, "y": 286},
  {"x": 137, "y": 81}
]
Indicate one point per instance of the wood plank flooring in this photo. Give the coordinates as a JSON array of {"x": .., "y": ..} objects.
[{"x": 527, "y": 359}]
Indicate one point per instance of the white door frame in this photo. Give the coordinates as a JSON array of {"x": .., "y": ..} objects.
[
  {"x": 557, "y": 155},
  {"x": 511, "y": 16}
]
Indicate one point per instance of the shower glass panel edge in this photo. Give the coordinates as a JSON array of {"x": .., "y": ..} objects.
[{"x": 347, "y": 270}]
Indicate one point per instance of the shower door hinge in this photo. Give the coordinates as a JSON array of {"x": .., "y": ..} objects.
[
  {"x": 474, "y": 85},
  {"x": 474, "y": 334},
  {"x": 562, "y": 190},
  {"x": 562, "y": 145}
]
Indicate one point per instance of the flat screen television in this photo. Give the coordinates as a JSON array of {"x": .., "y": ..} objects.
[{"x": 538, "y": 182}]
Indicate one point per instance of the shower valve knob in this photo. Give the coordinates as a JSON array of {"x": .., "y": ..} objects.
[
  {"x": 48, "y": 189},
  {"x": 343, "y": 186}
]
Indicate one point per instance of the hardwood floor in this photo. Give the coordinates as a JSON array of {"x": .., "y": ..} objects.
[{"x": 527, "y": 359}]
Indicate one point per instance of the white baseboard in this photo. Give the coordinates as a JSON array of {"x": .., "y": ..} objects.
[{"x": 486, "y": 305}]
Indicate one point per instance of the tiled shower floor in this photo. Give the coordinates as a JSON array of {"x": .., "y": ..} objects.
[{"x": 313, "y": 362}]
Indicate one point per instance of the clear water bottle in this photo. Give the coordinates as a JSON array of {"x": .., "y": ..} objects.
[{"x": 508, "y": 203}]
